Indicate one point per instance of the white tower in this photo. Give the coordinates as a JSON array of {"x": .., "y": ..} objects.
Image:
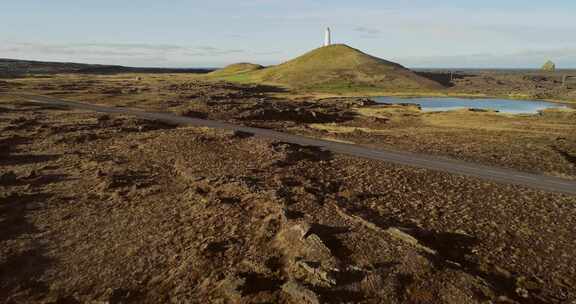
[{"x": 328, "y": 37}]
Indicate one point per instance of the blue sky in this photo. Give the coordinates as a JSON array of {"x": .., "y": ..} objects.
[{"x": 177, "y": 33}]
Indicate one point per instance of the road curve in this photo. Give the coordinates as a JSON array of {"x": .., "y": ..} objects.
[{"x": 500, "y": 175}]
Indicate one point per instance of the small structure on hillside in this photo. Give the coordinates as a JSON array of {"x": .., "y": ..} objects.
[
  {"x": 549, "y": 66},
  {"x": 328, "y": 37}
]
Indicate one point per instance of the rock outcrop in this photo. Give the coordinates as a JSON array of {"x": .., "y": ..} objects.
[{"x": 549, "y": 66}]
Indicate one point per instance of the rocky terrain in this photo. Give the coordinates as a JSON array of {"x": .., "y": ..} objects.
[
  {"x": 542, "y": 143},
  {"x": 109, "y": 209},
  {"x": 508, "y": 84}
]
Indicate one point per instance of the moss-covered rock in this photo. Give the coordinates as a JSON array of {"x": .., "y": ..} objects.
[{"x": 549, "y": 66}]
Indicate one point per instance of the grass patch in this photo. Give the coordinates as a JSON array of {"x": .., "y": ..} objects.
[
  {"x": 387, "y": 111},
  {"x": 335, "y": 69},
  {"x": 335, "y": 128}
]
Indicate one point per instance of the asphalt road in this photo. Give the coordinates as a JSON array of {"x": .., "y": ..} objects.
[{"x": 500, "y": 175}]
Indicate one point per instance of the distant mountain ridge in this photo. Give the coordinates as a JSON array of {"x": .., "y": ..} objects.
[{"x": 16, "y": 66}]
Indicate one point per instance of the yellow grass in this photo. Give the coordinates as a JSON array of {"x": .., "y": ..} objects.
[
  {"x": 339, "y": 69},
  {"x": 334, "y": 128}
]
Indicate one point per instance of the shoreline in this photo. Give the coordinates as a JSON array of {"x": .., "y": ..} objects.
[{"x": 321, "y": 95}]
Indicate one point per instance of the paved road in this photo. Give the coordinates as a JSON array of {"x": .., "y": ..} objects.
[{"x": 500, "y": 175}]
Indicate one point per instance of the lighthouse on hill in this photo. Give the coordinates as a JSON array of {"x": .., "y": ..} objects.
[{"x": 328, "y": 37}]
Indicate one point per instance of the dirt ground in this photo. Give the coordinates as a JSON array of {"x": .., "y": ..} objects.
[
  {"x": 544, "y": 143},
  {"x": 100, "y": 209},
  {"x": 110, "y": 209}
]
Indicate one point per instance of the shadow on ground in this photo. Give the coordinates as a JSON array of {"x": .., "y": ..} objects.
[
  {"x": 20, "y": 271},
  {"x": 443, "y": 78},
  {"x": 455, "y": 250}
]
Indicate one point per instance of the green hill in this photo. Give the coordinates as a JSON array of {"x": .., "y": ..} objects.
[
  {"x": 235, "y": 69},
  {"x": 341, "y": 68}
]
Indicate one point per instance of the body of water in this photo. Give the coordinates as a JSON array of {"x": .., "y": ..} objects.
[{"x": 448, "y": 104}]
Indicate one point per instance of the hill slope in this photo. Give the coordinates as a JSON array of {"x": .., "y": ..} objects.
[
  {"x": 235, "y": 69},
  {"x": 341, "y": 67}
]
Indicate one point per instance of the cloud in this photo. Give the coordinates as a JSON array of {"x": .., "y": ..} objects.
[
  {"x": 111, "y": 49},
  {"x": 366, "y": 30},
  {"x": 146, "y": 46},
  {"x": 206, "y": 48},
  {"x": 563, "y": 57},
  {"x": 210, "y": 51},
  {"x": 136, "y": 54},
  {"x": 268, "y": 53},
  {"x": 70, "y": 49}
]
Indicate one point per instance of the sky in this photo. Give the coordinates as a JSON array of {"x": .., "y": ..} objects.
[{"x": 214, "y": 33}]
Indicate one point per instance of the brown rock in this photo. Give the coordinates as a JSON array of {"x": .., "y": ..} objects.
[{"x": 299, "y": 293}]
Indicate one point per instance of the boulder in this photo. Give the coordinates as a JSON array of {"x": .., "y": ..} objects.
[{"x": 549, "y": 66}]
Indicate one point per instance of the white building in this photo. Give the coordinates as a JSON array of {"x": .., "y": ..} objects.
[{"x": 328, "y": 37}]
